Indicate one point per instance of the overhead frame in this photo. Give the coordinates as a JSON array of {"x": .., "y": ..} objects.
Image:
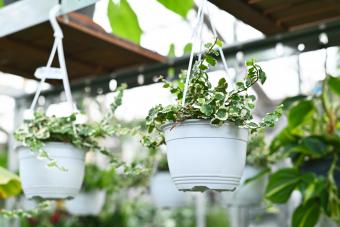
[
  {"x": 26, "y": 13},
  {"x": 261, "y": 50}
]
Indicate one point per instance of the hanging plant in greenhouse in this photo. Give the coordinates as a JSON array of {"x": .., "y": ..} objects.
[
  {"x": 62, "y": 143},
  {"x": 206, "y": 135},
  {"x": 312, "y": 141}
]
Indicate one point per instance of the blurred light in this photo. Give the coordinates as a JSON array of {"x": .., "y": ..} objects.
[
  {"x": 323, "y": 38},
  {"x": 239, "y": 56},
  {"x": 301, "y": 47},
  {"x": 87, "y": 89},
  {"x": 41, "y": 100},
  {"x": 100, "y": 90},
  {"x": 279, "y": 49},
  {"x": 140, "y": 79},
  {"x": 113, "y": 84}
]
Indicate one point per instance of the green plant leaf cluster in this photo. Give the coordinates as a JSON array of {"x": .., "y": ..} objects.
[
  {"x": 312, "y": 141},
  {"x": 41, "y": 129},
  {"x": 203, "y": 101},
  {"x": 114, "y": 177}
]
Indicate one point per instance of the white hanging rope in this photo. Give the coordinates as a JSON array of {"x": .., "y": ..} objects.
[
  {"x": 219, "y": 48},
  {"x": 59, "y": 73},
  {"x": 197, "y": 33},
  {"x": 194, "y": 35}
]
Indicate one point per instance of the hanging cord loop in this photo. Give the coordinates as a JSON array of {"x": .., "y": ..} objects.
[
  {"x": 49, "y": 72},
  {"x": 197, "y": 34}
]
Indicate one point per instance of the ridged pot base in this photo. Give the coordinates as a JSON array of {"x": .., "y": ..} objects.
[{"x": 204, "y": 183}]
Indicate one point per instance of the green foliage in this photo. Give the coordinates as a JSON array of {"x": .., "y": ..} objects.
[
  {"x": 124, "y": 21},
  {"x": 171, "y": 51},
  {"x": 306, "y": 214},
  {"x": 258, "y": 151},
  {"x": 19, "y": 213},
  {"x": 181, "y": 7},
  {"x": 10, "y": 184},
  {"x": 311, "y": 137},
  {"x": 299, "y": 113},
  {"x": 1, "y": 3},
  {"x": 112, "y": 178},
  {"x": 217, "y": 217},
  {"x": 163, "y": 164},
  {"x": 95, "y": 178},
  {"x": 203, "y": 101},
  {"x": 281, "y": 185},
  {"x": 42, "y": 128}
]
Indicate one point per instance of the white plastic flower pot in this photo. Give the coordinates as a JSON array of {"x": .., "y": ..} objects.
[
  {"x": 247, "y": 194},
  {"x": 86, "y": 203},
  {"x": 40, "y": 181},
  {"x": 205, "y": 157},
  {"x": 163, "y": 192}
]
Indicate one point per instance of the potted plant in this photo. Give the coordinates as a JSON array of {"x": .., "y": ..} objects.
[
  {"x": 61, "y": 143},
  {"x": 312, "y": 141},
  {"x": 164, "y": 194},
  {"x": 91, "y": 199},
  {"x": 206, "y": 136},
  {"x": 253, "y": 182}
]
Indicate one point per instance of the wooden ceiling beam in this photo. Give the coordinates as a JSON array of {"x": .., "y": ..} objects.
[{"x": 249, "y": 15}]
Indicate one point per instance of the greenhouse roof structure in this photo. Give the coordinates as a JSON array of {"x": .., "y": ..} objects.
[
  {"x": 89, "y": 49},
  {"x": 272, "y": 17}
]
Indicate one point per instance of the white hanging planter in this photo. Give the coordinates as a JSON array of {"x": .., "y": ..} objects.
[
  {"x": 247, "y": 194},
  {"x": 204, "y": 157},
  {"x": 163, "y": 192},
  {"x": 86, "y": 203},
  {"x": 52, "y": 183}
]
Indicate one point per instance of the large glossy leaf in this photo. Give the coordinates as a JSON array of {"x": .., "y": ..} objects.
[
  {"x": 288, "y": 102},
  {"x": 281, "y": 185},
  {"x": 181, "y": 7},
  {"x": 307, "y": 214},
  {"x": 9, "y": 184},
  {"x": 314, "y": 145},
  {"x": 334, "y": 84},
  {"x": 124, "y": 21},
  {"x": 299, "y": 113}
]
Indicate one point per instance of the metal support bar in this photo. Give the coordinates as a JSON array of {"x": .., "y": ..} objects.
[
  {"x": 26, "y": 13},
  {"x": 260, "y": 50}
]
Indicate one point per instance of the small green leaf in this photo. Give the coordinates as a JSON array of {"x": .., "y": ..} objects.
[
  {"x": 306, "y": 215},
  {"x": 212, "y": 61},
  {"x": 187, "y": 48},
  {"x": 181, "y": 7},
  {"x": 219, "y": 43},
  {"x": 222, "y": 114},
  {"x": 206, "y": 109},
  {"x": 171, "y": 51},
  {"x": 262, "y": 77},
  {"x": 250, "y": 62},
  {"x": 281, "y": 185},
  {"x": 124, "y": 21}
]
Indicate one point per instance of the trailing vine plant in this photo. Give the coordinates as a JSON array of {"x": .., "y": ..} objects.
[
  {"x": 42, "y": 129},
  {"x": 203, "y": 101}
]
